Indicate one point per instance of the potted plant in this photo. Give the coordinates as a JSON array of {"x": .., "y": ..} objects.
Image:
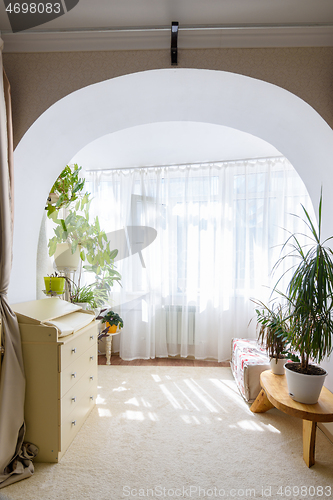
[
  {"x": 54, "y": 284},
  {"x": 272, "y": 326},
  {"x": 66, "y": 189},
  {"x": 77, "y": 231},
  {"x": 87, "y": 295},
  {"x": 112, "y": 321},
  {"x": 310, "y": 299},
  {"x": 80, "y": 237}
]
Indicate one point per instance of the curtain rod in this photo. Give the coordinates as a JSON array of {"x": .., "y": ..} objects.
[{"x": 186, "y": 164}]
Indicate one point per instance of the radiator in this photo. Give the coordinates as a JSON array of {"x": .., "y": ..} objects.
[{"x": 175, "y": 322}]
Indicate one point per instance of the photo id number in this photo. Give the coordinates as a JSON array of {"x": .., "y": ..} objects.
[
  {"x": 34, "y": 8},
  {"x": 304, "y": 491}
]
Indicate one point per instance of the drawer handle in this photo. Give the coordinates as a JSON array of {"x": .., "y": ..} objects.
[
  {"x": 91, "y": 378},
  {"x": 74, "y": 375},
  {"x": 92, "y": 398},
  {"x": 92, "y": 358},
  {"x": 91, "y": 337},
  {"x": 74, "y": 400},
  {"x": 74, "y": 350},
  {"x": 74, "y": 422}
]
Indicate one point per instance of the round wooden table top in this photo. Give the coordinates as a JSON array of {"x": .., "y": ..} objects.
[{"x": 275, "y": 387}]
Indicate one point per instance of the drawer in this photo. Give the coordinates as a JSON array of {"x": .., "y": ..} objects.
[
  {"x": 72, "y": 398},
  {"x": 72, "y": 374},
  {"x": 72, "y": 349},
  {"x": 74, "y": 421}
]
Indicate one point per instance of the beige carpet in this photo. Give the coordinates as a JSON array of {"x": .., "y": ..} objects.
[{"x": 180, "y": 432}]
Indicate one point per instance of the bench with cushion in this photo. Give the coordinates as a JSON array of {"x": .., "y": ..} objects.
[{"x": 248, "y": 360}]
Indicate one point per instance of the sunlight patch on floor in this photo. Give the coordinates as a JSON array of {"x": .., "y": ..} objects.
[
  {"x": 133, "y": 402},
  {"x": 247, "y": 425},
  {"x": 211, "y": 397},
  {"x": 188, "y": 419},
  {"x": 104, "y": 412},
  {"x": 271, "y": 428},
  {"x": 186, "y": 396},
  {"x": 100, "y": 400},
  {"x": 202, "y": 398},
  {"x": 171, "y": 397},
  {"x": 231, "y": 394},
  {"x": 192, "y": 419},
  {"x": 145, "y": 403},
  {"x": 134, "y": 415}
]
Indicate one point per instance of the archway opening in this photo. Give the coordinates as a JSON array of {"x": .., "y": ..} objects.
[{"x": 176, "y": 95}]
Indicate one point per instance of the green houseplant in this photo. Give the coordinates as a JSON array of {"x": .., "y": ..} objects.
[
  {"x": 112, "y": 321},
  {"x": 273, "y": 327},
  {"x": 66, "y": 189},
  {"x": 78, "y": 231},
  {"x": 80, "y": 235},
  {"x": 86, "y": 294},
  {"x": 309, "y": 297}
]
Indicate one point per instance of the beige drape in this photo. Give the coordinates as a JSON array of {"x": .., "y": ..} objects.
[{"x": 15, "y": 463}]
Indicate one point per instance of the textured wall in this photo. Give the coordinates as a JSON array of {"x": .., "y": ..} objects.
[{"x": 38, "y": 80}]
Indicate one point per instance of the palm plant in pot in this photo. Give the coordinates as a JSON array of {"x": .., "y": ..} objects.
[
  {"x": 310, "y": 300},
  {"x": 272, "y": 327}
]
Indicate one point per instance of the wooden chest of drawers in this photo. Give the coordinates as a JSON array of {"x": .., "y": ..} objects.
[{"x": 61, "y": 383}]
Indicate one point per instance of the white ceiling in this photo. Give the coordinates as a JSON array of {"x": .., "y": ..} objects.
[
  {"x": 171, "y": 143},
  {"x": 145, "y": 24},
  {"x": 160, "y": 13},
  {"x": 228, "y": 23}
]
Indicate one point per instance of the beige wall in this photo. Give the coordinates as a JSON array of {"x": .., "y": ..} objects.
[{"x": 40, "y": 79}]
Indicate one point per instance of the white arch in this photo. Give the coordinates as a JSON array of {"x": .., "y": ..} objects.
[{"x": 217, "y": 97}]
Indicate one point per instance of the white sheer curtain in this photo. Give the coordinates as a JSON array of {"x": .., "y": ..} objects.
[{"x": 218, "y": 226}]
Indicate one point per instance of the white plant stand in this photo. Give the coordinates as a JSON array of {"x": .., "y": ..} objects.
[{"x": 108, "y": 346}]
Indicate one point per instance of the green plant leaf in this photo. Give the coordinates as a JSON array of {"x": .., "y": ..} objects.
[
  {"x": 113, "y": 254},
  {"x": 52, "y": 246}
]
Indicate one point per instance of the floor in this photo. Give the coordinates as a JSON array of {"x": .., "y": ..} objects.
[{"x": 171, "y": 361}]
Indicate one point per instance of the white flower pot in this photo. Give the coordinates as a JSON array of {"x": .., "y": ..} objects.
[
  {"x": 84, "y": 305},
  {"x": 64, "y": 259},
  {"x": 278, "y": 367},
  {"x": 304, "y": 388}
]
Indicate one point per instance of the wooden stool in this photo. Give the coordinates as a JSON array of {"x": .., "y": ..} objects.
[{"x": 275, "y": 393}]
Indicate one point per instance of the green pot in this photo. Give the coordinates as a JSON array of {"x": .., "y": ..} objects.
[{"x": 56, "y": 285}]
